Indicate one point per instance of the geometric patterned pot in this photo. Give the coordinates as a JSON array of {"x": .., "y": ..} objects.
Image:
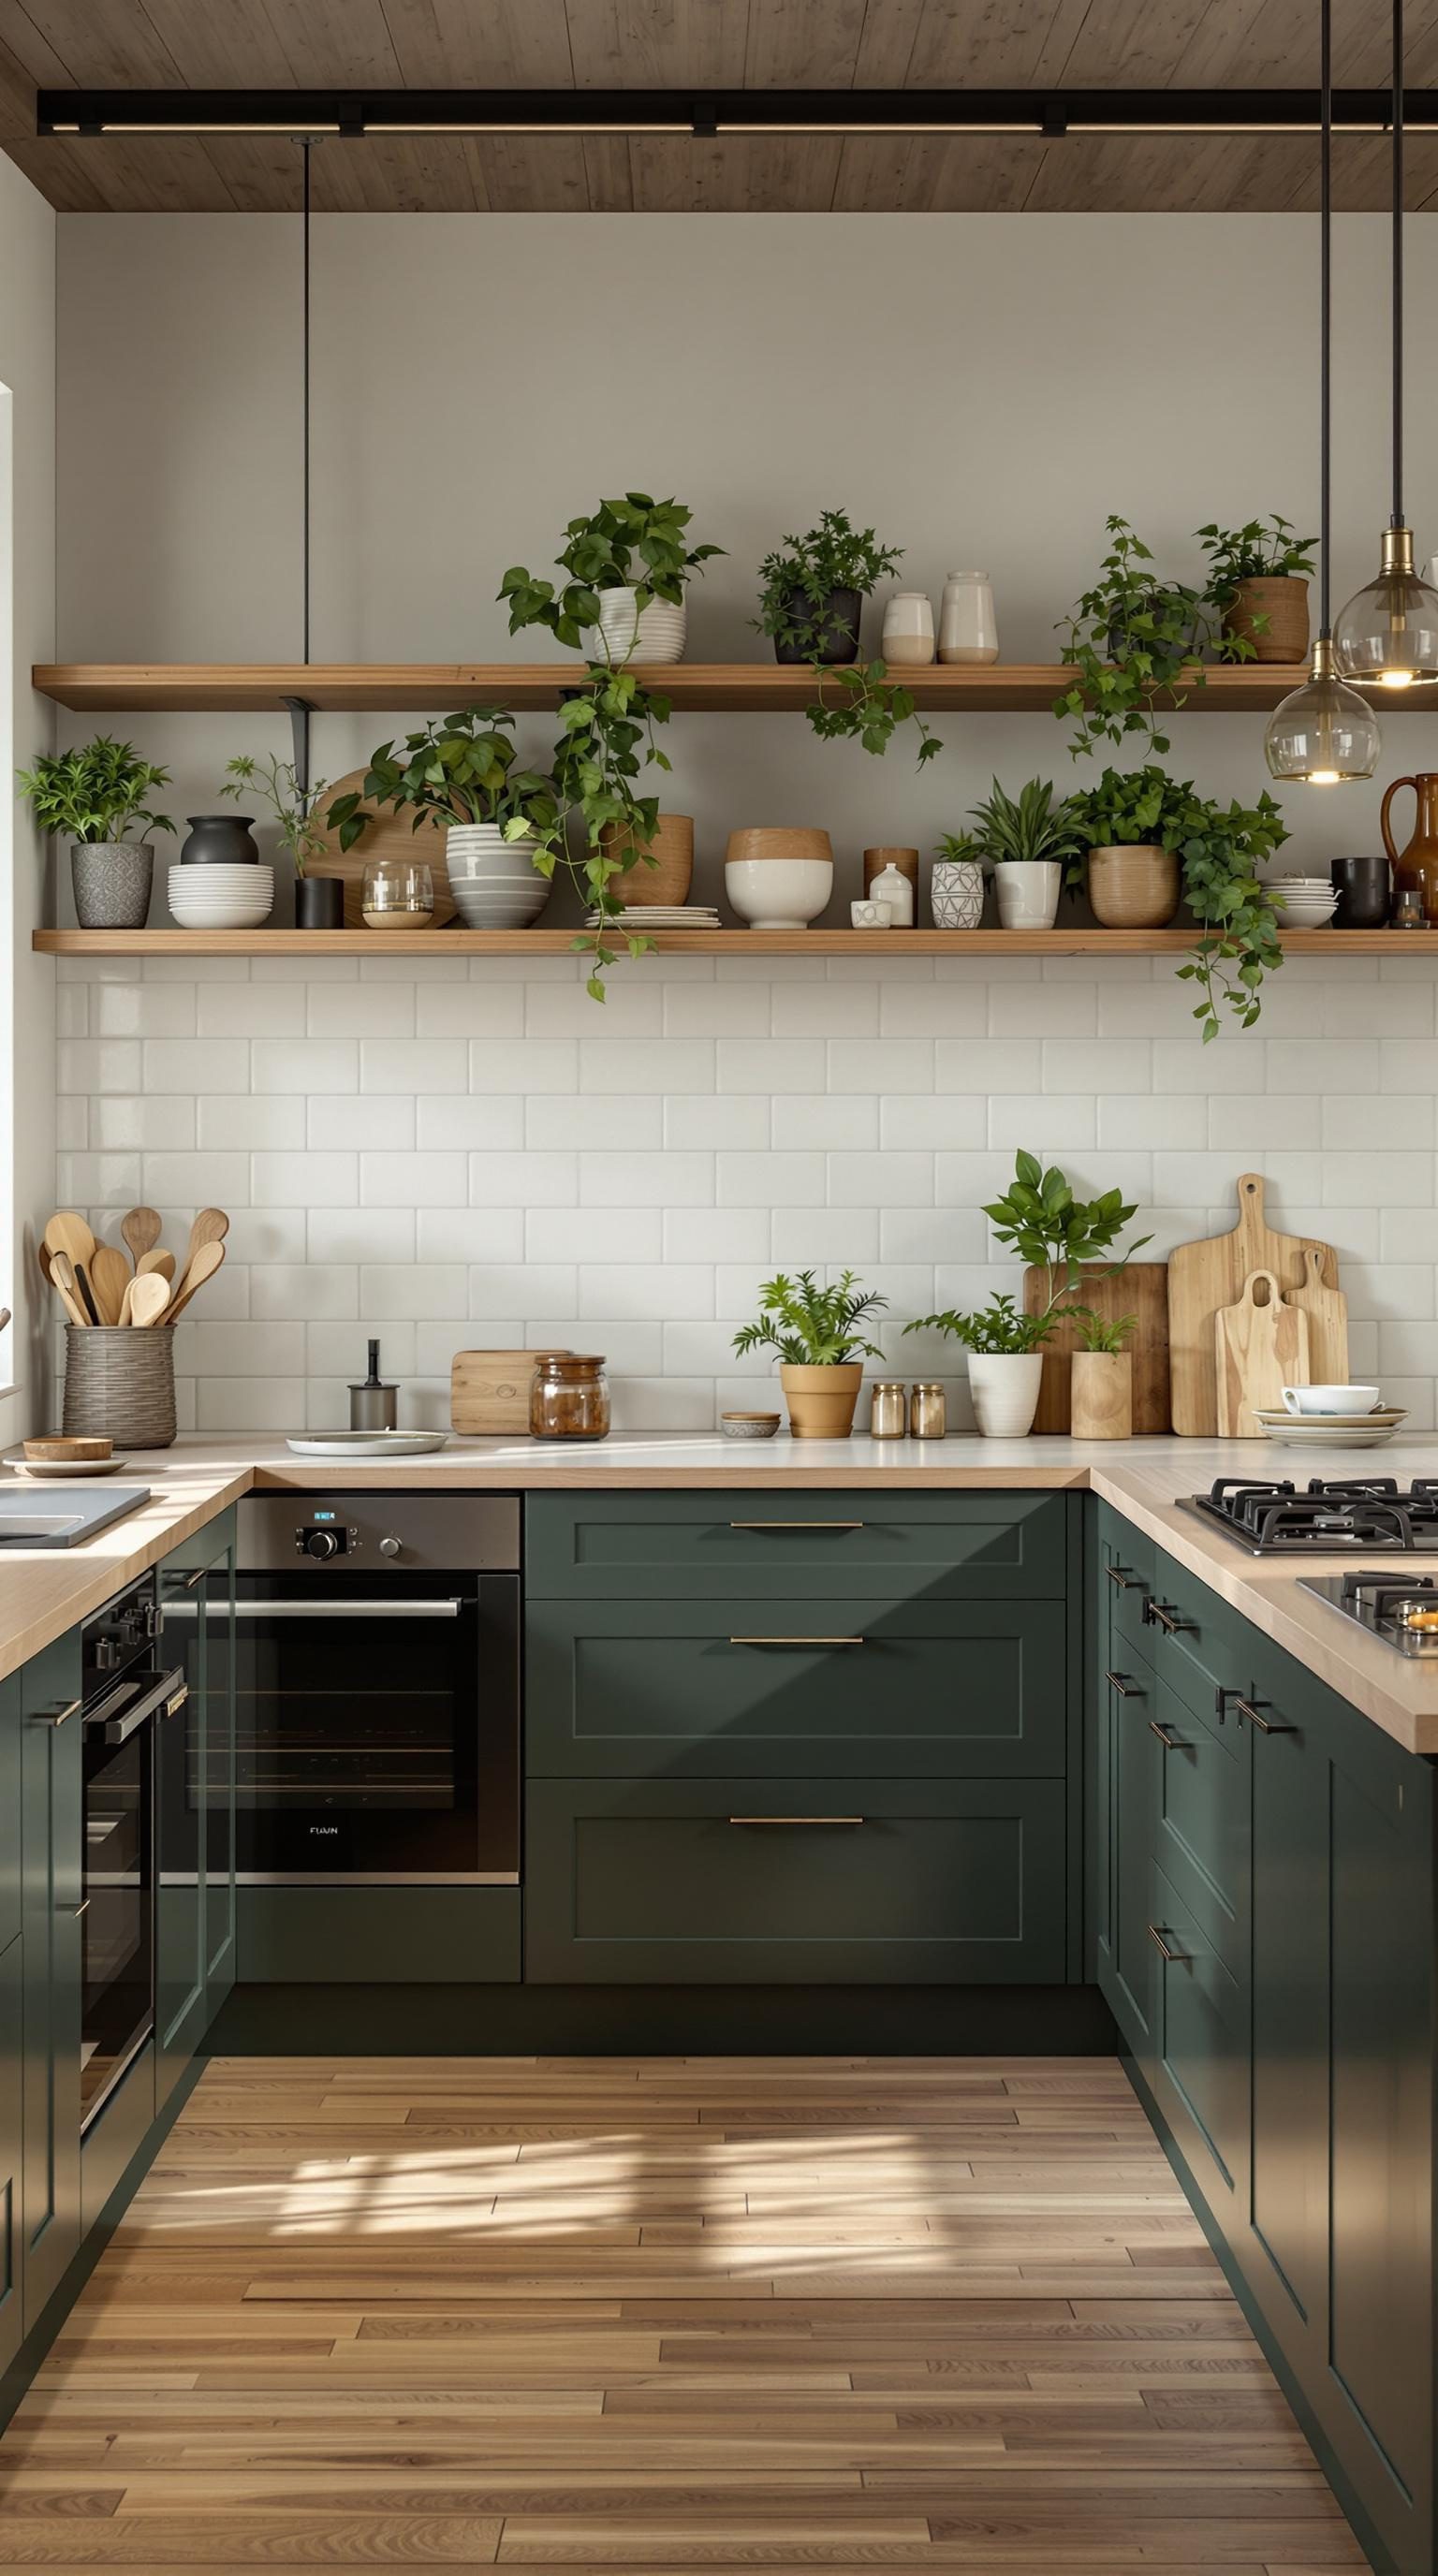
[{"x": 112, "y": 883}]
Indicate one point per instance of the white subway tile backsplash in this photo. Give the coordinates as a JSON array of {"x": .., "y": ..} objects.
[
  {"x": 1405, "y": 1119},
  {"x": 805, "y": 1238},
  {"x": 769, "y": 1065},
  {"x": 238, "y": 1121},
  {"x": 726, "y": 1010},
  {"x": 648, "y": 1180},
  {"x": 473, "y": 1010},
  {"x": 879, "y": 1065},
  {"x": 947, "y": 1010},
  {"x": 847, "y": 1122},
  {"x": 413, "y": 1064},
  {"x": 820, "y": 1010},
  {"x": 161, "y": 1120},
  {"x": 655, "y": 1065},
  {"x": 306, "y": 1065},
  {"x": 541, "y": 1064},
  {"x": 413, "y": 1180},
  {"x": 214, "y": 1350},
  {"x": 482, "y": 1120},
  {"x": 617, "y": 1233},
  {"x": 338, "y": 1121},
  {"x": 470, "y": 1234},
  {"x": 240, "y": 1010},
  {"x": 714, "y": 1234},
  {"x": 559, "y": 1122},
  {"x": 632, "y": 1009},
  {"x": 522, "y": 1180},
  {"x": 214, "y": 1180},
  {"x": 367, "y": 1010},
  {"x": 144, "y": 1010},
  {"x": 536, "y": 1290},
  {"x": 395, "y": 1290},
  {"x": 361, "y": 1234},
  {"x": 302, "y": 1289},
  {"x": 1064, "y": 1124},
  {"x": 97, "y": 1180},
  {"x": 772, "y": 1180},
  {"x": 892, "y": 1179},
  {"x": 650, "y": 1289},
  {"x": 110, "y": 1064},
  {"x": 701, "y": 1121},
  {"x": 321, "y": 1180}
]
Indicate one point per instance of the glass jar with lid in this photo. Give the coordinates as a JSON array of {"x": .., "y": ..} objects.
[
  {"x": 570, "y": 1397},
  {"x": 398, "y": 895}
]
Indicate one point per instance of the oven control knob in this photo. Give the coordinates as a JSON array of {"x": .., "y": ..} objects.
[
  {"x": 389, "y": 1547},
  {"x": 322, "y": 1543}
]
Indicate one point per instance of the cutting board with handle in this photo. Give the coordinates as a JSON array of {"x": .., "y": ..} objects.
[
  {"x": 1140, "y": 1289},
  {"x": 1327, "y": 1312},
  {"x": 1260, "y": 1347},
  {"x": 1204, "y": 1276},
  {"x": 489, "y": 1391}
]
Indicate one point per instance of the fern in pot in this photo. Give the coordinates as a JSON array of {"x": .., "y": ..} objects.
[
  {"x": 96, "y": 795},
  {"x": 818, "y": 1335},
  {"x": 1006, "y": 1362},
  {"x": 464, "y": 775}
]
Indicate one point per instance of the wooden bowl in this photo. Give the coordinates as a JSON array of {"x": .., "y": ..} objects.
[
  {"x": 59, "y": 1445},
  {"x": 672, "y": 874},
  {"x": 779, "y": 841}
]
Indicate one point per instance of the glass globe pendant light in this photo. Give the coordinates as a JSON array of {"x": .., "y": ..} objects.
[
  {"x": 1323, "y": 733},
  {"x": 1388, "y": 633}
]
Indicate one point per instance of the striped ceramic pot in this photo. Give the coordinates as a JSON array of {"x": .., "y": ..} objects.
[{"x": 654, "y": 635}]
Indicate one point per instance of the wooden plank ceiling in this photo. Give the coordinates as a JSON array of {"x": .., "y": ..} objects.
[{"x": 839, "y": 44}]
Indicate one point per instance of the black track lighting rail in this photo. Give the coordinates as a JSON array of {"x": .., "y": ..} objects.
[{"x": 356, "y": 113}]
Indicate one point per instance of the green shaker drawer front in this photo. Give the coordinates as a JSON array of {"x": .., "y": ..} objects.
[
  {"x": 1202, "y": 1824},
  {"x": 699, "y": 1547},
  {"x": 748, "y": 1881},
  {"x": 1201, "y": 2074},
  {"x": 904, "y": 1689}
]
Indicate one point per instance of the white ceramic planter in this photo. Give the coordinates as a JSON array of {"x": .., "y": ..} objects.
[
  {"x": 1005, "y": 1389},
  {"x": 1028, "y": 892},
  {"x": 778, "y": 894},
  {"x": 956, "y": 894},
  {"x": 493, "y": 883},
  {"x": 656, "y": 636}
]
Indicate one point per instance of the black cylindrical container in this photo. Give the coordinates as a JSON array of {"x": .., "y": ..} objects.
[{"x": 1365, "y": 893}]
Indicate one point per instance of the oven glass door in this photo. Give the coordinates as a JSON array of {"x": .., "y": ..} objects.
[
  {"x": 372, "y": 1720},
  {"x": 117, "y": 1927}
]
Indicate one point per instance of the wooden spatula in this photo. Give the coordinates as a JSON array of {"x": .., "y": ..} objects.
[
  {"x": 109, "y": 1279},
  {"x": 210, "y": 1226},
  {"x": 69, "y": 1234},
  {"x": 147, "y": 1299},
  {"x": 162, "y": 1264},
  {"x": 141, "y": 1230},
  {"x": 204, "y": 1265},
  {"x": 62, "y": 1277}
]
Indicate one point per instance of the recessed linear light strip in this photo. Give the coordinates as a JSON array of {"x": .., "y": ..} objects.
[{"x": 352, "y": 115}]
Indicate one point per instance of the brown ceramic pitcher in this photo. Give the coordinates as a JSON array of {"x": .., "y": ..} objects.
[{"x": 1417, "y": 865}]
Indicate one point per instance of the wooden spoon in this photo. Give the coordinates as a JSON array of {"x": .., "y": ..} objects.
[
  {"x": 162, "y": 1264},
  {"x": 69, "y": 1234},
  {"x": 42, "y": 1255},
  {"x": 204, "y": 1265},
  {"x": 147, "y": 1298},
  {"x": 141, "y": 1230},
  {"x": 109, "y": 1279},
  {"x": 62, "y": 1277},
  {"x": 210, "y": 1226}
]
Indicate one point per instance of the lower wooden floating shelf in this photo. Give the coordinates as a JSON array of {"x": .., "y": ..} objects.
[{"x": 1085, "y": 942}]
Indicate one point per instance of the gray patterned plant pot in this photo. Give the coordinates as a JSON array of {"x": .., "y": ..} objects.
[
  {"x": 956, "y": 894},
  {"x": 112, "y": 883}
]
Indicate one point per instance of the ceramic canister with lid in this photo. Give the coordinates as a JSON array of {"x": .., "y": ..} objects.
[
  {"x": 968, "y": 627},
  {"x": 908, "y": 627}
]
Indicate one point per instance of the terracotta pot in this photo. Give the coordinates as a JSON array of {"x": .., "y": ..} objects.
[
  {"x": 821, "y": 1401},
  {"x": 1101, "y": 1391},
  {"x": 669, "y": 879},
  {"x": 1415, "y": 866},
  {"x": 1273, "y": 614},
  {"x": 1133, "y": 885}
]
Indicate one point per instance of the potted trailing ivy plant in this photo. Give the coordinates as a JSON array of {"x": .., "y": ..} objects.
[
  {"x": 319, "y": 901},
  {"x": 811, "y": 596},
  {"x": 1258, "y": 577},
  {"x": 628, "y": 563},
  {"x": 463, "y": 774},
  {"x": 1101, "y": 1377},
  {"x": 96, "y": 794},
  {"x": 1131, "y": 638},
  {"x": 1131, "y": 824},
  {"x": 819, "y": 1337},
  {"x": 1006, "y": 1362},
  {"x": 1029, "y": 841},
  {"x": 1222, "y": 847}
]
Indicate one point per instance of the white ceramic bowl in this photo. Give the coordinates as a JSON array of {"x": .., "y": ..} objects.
[
  {"x": 1331, "y": 1400},
  {"x": 778, "y": 894},
  {"x": 221, "y": 898}
]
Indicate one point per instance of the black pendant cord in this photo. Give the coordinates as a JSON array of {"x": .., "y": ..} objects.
[
  {"x": 1325, "y": 313},
  {"x": 1397, "y": 520},
  {"x": 306, "y": 147},
  {"x": 301, "y": 709}
]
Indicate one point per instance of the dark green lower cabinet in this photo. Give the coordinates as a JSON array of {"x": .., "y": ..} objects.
[
  {"x": 1200, "y": 2066},
  {"x": 12, "y": 2048},
  {"x": 806, "y": 1881},
  {"x": 51, "y": 1935}
]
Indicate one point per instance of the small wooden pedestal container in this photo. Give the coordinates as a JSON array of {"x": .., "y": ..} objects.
[{"x": 1102, "y": 1395}]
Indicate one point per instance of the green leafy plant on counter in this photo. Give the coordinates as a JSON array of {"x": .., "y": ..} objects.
[
  {"x": 1040, "y": 1219},
  {"x": 462, "y": 770},
  {"x": 606, "y": 738},
  {"x": 1096, "y": 1333},
  {"x": 799, "y": 586},
  {"x": 997, "y": 1330},
  {"x": 95, "y": 792},
  {"x": 1131, "y": 639},
  {"x": 1027, "y": 827},
  {"x": 276, "y": 783},
  {"x": 813, "y": 1327}
]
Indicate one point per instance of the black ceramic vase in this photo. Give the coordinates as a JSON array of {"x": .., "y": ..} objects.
[
  {"x": 1365, "y": 894},
  {"x": 218, "y": 841},
  {"x": 319, "y": 903},
  {"x": 828, "y": 633}
]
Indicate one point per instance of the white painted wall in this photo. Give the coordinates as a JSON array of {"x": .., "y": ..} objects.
[
  {"x": 27, "y": 627},
  {"x": 420, "y": 1152}
]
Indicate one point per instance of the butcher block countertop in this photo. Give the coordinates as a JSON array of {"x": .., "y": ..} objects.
[{"x": 42, "y": 1595}]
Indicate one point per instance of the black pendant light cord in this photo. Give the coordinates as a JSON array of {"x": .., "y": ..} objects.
[
  {"x": 1325, "y": 309},
  {"x": 306, "y": 146},
  {"x": 1397, "y": 520}
]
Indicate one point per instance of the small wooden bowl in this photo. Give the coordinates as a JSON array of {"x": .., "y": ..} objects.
[
  {"x": 58, "y": 1445},
  {"x": 779, "y": 841}
]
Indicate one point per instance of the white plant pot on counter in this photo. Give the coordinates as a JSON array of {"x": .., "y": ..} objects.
[
  {"x": 655, "y": 636},
  {"x": 1005, "y": 1389},
  {"x": 493, "y": 881},
  {"x": 1028, "y": 892}
]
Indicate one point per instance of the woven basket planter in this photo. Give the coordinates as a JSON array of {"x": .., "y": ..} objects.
[{"x": 120, "y": 1383}]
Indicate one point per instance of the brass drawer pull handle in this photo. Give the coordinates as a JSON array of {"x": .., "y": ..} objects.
[
  {"x": 1175, "y": 1958},
  {"x": 1124, "y": 1687},
  {"x": 797, "y": 1820},
  {"x": 1169, "y": 1621},
  {"x": 1171, "y": 1743},
  {"x": 193, "y": 1581},
  {"x": 796, "y": 1641},
  {"x": 77, "y": 1910},
  {"x": 796, "y": 1525},
  {"x": 1266, "y": 1725},
  {"x": 1117, "y": 1575},
  {"x": 54, "y": 1716}
]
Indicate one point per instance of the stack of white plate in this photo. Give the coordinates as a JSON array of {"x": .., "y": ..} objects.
[
  {"x": 1304, "y": 903},
  {"x": 1331, "y": 1430},
  {"x": 222, "y": 897},
  {"x": 662, "y": 916}
]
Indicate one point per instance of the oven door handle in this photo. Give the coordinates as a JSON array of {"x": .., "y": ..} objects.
[
  {"x": 166, "y": 1699},
  {"x": 446, "y": 1609}
]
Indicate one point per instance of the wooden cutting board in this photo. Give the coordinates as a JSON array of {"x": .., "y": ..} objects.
[
  {"x": 1260, "y": 1347},
  {"x": 1327, "y": 1312},
  {"x": 389, "y": 836},
  {"x": 1209, "y": 1274},
  {"x": 489, "y": 1390},
  {"x": 1141, "y": 1290}
]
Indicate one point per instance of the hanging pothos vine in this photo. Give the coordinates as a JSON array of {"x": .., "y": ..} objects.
[{"x": 607, "y": 736}]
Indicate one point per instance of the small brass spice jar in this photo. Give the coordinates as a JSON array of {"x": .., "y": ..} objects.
[
  {"x": 928, "y": 1410},
  {"x": 570, "y": 1397},
  {"x": 889, "y": 1414}
]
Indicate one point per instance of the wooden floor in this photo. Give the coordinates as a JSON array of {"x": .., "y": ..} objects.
[{"x": 656, "y": 2315}]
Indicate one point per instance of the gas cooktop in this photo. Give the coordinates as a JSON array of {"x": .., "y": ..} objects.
[
  {"x": 1403, "y": 1612},
  {"x": 1372, "y": 1515}
]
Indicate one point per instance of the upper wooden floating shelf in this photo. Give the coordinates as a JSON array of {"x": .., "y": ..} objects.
[
  {"x": 1084, "y": 942},
  {"x": 199, "y": 688}
]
